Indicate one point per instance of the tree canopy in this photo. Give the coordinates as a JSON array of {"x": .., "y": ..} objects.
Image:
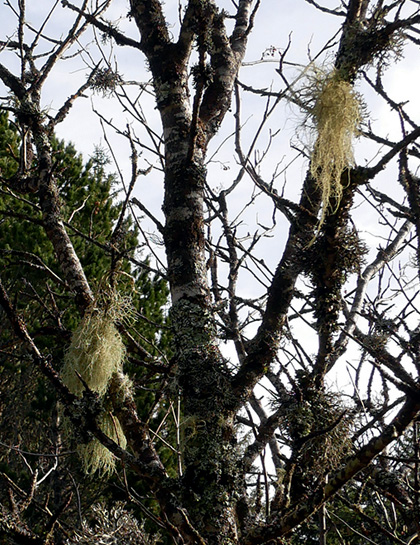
[{"x": 269, "y": 394}]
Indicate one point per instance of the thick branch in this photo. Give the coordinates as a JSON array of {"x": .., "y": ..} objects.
[
  {"x": 282, "y": 525},
  {"x": 263, "y": 348},
  {"x": 265, "y": 434},
  {"x": 226, "y": 58},
  {"x": 12, "y": 82},
  {"x": 109, "y": 30},
  {"x": 151, "y": 22}
]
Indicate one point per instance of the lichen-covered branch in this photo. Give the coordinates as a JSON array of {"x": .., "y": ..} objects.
[{"x": 281, "y": 524}]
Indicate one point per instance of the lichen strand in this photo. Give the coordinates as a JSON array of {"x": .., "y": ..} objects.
[
  {"x": 96, "y": 351},
  {"x": 96, "y": 354},
  {"x": 97, "y": 458},
  {"x": 332, "y": 111},
  {"x": 336, "y": 116}
]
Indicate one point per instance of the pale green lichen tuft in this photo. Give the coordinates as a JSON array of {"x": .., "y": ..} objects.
[
  {"x": 334, "y": 110},
  {"x": 122, "y": 388},
  {"x": 97, "y": 458},
  {"x": 336, "y": 114},
  {"x": 96, "y": 354},
  {"x": 97, "y": 351}
]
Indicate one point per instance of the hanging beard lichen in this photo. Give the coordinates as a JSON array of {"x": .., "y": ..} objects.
[
  {"x": 334, "y": 109},
  {"x": 96, "y": 353},
  {"x": 97, "y": 458}
]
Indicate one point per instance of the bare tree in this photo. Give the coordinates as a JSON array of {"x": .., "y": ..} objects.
[{"x": 294, "y": 362}]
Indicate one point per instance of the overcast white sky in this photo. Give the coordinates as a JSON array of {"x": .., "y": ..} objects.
[{"x": 277, "y": 21}]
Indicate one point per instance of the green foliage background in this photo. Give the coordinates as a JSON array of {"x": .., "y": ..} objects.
[{"x": 29, "y": 414}]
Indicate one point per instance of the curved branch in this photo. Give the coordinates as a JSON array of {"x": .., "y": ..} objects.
[
  {"x": 151, "y": 22},
  {"x": 265, "y": 434},
  {"x": 280, "y": 526},
  {"x": 12, "y": 82},
  {"x": 109, "y": 30},
  {"x": 367, "y": 174},
  {"x": 383, "y": 256},
  {"x": 262, "y": 350},
  {"x": 226, "y": 58}
]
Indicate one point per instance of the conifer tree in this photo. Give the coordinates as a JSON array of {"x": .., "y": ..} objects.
[{"x": 31, "y": 419}]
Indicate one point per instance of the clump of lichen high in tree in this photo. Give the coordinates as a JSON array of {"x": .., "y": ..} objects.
[{"x": 333, "y": 109}]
